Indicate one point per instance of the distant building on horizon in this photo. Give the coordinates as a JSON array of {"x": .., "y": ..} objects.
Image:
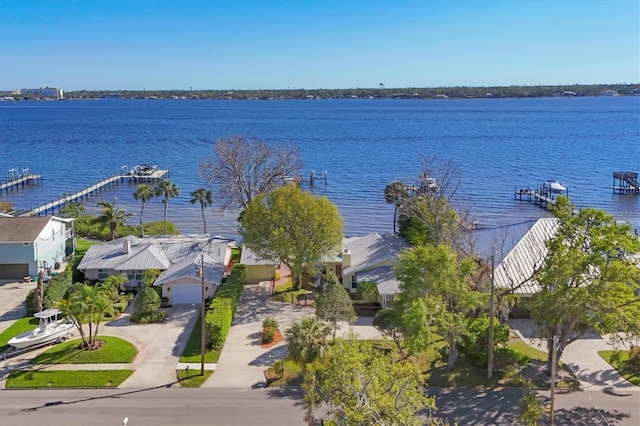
[{"x": 45, "y": 92}]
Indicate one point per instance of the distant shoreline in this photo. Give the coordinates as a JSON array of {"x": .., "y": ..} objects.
[{"x": 460, "y": 92}]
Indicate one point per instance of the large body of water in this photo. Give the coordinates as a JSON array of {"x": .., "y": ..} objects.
[{"x": 499, "y": 144}]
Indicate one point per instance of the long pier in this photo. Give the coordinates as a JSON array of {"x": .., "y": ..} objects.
[
  {"x": 80, "y": 195},
  {"x": 21, "y": 180}
]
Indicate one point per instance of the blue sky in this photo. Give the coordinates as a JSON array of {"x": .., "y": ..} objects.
[{"x": 273, "y": 44}]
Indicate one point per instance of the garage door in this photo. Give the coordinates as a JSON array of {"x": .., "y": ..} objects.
[
  {"x": 191, "y": 294},
  {"x": 14, "y": 271}
]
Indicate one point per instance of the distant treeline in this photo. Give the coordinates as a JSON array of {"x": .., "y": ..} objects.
[{"x": 379, "y": 92}]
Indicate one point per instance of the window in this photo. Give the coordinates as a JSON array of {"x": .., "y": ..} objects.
[
  {"x": 102, "y": 274},
  {"x": 354, "y": 281}
]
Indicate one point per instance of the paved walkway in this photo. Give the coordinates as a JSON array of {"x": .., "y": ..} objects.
[{"x": 593, "y": 372}]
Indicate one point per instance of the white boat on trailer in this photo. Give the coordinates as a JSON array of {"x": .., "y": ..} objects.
[{"x": 51, "y": 329}]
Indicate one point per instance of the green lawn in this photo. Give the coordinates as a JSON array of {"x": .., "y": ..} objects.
[
  {"x": 618, "y": 360},
  {"x": 67, "y": 379},
  {"x": 292, "y": 375},
  {"x": 20, "y": 326},
  {"x": 191, "y": 352},
  {"x": 114, "y": 350},
  {"x": 287, "y": 293},
  {"x": 194, "y": 379},
  {"x": 528, "y": 351},
  {"x": 83, "y": 245}
]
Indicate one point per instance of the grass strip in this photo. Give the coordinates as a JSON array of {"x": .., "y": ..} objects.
[
  {"x": 527, "y": 350},
  {"x": 67, "y": 379},
  {"x": 619, "y": 360},
  {"x": 191, "y": 352},
  {"x": 20, "y": 326},
  {"x": 114, "y": 350},
  {"x": 193, "y": 379}
]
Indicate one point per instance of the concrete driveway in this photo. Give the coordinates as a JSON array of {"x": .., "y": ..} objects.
[
  {"x": 159, "y": 345},
  {"x": 243, "y": 360},
  {"x": 12, "y": 295}
]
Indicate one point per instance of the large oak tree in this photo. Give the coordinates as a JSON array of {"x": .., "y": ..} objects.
[{"x": 291, "y": 226}]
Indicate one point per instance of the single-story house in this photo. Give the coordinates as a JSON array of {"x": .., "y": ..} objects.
[
  {"x": 179, "y": 257},
  {"x": 29, "y": 245},
  {"x": 371, "y": 258},
  {"x": 256, "y": 269}
]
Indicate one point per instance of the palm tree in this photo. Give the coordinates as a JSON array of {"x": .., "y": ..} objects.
[
  {"x": 307, "y": 340},
  {"x": 202, "y": 196},
  {"x": 166, "y": 189},
  {"x": 143, "y": 193},
  {"x": 395, "y": 193},
  {"x": 112, "y": 217}
]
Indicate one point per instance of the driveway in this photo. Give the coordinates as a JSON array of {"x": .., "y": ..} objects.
[
  {"x": 593, "y": 372},
  {"x": 243, "y": 360},
  {"x": 12, "y": 295},
  {"x": 159, "y": 345}
]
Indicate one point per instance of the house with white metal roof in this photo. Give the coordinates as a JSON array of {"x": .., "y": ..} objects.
[{"x": 179, "y": 257}]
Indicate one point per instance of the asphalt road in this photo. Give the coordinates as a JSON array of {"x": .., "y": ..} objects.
[{"x": 237, "y": 407}]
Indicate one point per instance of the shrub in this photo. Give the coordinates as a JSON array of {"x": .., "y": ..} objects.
[
  {"x": 367, "y": 292},
  {"x": 223, "y": 308},
  {"x": 148, "y": 301},
  {"x": 475, "y": 343},
  {"x": 270, "y": 322},
  {"x": 156, "y": 316},
  {"x": 30, "y": 303},
  {"x": 57, "y": 289},
  {"x": 279, "y": 367},
  {"x": 268, "y": 333}
]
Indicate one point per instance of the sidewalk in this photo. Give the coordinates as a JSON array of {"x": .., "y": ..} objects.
[{"x": 593, "y": 372}]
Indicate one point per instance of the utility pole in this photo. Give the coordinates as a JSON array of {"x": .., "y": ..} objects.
[
  {"x": 490, "y": 349},
  {"x": 202, "y": 315},
  {"x": 554, "y": 349}
]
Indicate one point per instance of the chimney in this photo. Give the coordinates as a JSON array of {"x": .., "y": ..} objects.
[
  {"x": 126, "y": 246},
  {"x": 346, "y": 258}
]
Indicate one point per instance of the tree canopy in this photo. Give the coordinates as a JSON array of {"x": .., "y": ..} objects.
[
  {"x": 203, "y": 197},
  {"x": 590, "y": 277},
  {"x": 112, "y": 217},
  {"x": 435, "y": 291},
  {"x": 294, "y": 227},
  {"x": 242, "y": 168},
  {"x": 366, "y": 386},
  {"x": 333, "y": 304}
]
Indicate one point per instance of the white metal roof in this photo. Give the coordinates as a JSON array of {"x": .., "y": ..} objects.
[
  {"x": 371, "y": 250},
  {"x": 516, "y": 269},
  {"x": 189, "y": 267},
  {"x": 383, "y": 276}
]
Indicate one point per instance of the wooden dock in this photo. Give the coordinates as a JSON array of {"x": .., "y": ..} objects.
[
  {"x": 626, "y": 183},
  {"x": 21, "y": 180},
  {"x": 542, "y": 196},
  {"x": 49, "y": 207}
]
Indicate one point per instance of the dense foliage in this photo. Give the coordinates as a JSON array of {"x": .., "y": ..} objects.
[
  {"x": 223, "y": 307},
  {"x": 292, "y": 226}
]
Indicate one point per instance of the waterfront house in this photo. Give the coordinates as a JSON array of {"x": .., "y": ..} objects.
[
  {"x": 257, "y": 269},
  {"x": 29, "y": 245},
  {"x": 179, "y": 257}
]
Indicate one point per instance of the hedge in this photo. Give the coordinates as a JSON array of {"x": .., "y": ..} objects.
[{"x": 223, "y": 308}]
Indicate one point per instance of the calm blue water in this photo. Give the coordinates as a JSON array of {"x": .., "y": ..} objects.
[{"x": 362, "y": 144}]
